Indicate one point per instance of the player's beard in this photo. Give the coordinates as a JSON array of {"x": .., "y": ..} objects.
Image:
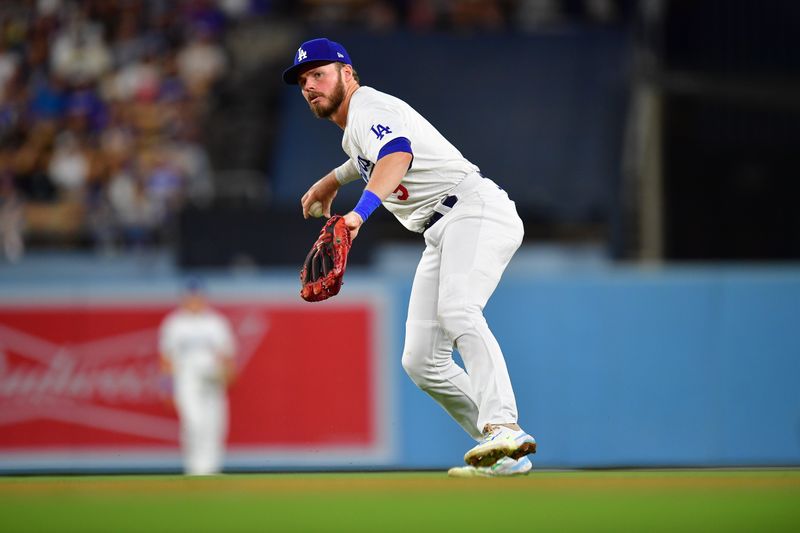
[{"x": 321, "y": 110}]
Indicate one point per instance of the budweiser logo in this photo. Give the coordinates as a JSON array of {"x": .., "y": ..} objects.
[
  {"x": 117, "y": 369},
  {"x": 110, "y": 383}
]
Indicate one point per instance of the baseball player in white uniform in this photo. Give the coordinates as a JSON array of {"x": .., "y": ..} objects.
[
  {"x": 197, "y": 349},
  {"x": 471, "y": 230}
]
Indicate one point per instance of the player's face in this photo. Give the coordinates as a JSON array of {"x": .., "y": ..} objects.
[
  {"x": 194, "y": 302},
  {"x": 323, "y": 88}
]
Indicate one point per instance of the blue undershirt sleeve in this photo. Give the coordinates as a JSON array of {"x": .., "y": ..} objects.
[{"x": 400, "y": 144}]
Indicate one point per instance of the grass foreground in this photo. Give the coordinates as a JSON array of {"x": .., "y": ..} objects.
[{"x": 672, "y": 500}]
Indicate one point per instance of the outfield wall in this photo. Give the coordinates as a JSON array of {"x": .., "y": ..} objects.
[
  {"x": 696, "y": 366},
  {"x": 612, "y": 366}
]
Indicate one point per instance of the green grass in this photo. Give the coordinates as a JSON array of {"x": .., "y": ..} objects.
[{"x": 675, "y": 501}]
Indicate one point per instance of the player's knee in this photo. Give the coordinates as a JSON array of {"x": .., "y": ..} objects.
[
  {"x": 417, "y": 355},
  {"x": 415, "y": 365},
  {"x": 456, "y": 321}
]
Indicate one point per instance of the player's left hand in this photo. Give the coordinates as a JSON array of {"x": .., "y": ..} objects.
[{"x": 353, "y": 222}]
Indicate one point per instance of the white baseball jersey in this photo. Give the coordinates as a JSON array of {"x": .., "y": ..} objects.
[
  {"x": 194, "y": 343},
  {"x": 464, "y": 258},
  {"x": 374, "y": 120}
]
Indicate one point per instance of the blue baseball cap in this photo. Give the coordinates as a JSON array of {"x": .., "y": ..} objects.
[
  {"x": 194, "y": 285},
  {"x": 315, "y": 51}
]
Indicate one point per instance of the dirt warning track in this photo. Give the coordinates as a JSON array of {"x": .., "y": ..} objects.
[{"x": 406, "y": 482}]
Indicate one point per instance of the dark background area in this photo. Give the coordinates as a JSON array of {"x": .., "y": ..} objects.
[{"x": 731, "y": 73}]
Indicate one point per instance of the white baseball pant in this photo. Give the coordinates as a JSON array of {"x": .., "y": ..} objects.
[
  {"x": 466, "y": 252},
  {"x": 203, "y": 412}
]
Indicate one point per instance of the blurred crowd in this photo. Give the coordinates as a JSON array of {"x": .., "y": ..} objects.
[
  {"x": 460, "y": 15},
  {"x": 101, "y": 107}
]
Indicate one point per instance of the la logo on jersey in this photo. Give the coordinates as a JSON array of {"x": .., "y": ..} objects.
[
  {"x": 301, "y": 54},
  {"x": 380, "y": 131}
]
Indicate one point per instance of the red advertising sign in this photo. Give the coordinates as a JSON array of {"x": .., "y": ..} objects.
[{"x": 85, "y": 377}]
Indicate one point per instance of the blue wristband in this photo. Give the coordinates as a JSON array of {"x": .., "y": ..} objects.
[{"x": 368, "y": 203}]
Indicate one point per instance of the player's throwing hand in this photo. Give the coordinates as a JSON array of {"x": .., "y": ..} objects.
[{"x": 323, "y": 191}]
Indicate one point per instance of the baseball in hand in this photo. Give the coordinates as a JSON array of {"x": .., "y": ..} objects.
[{"x": 315, "y": 210}]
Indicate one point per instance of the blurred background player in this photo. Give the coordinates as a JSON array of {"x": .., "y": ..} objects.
[
  {"x": 471, "y": 231},
  {"x": 197, "y": 350}
]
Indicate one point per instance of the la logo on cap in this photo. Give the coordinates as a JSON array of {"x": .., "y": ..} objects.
[{"x": 301, "y": 54}]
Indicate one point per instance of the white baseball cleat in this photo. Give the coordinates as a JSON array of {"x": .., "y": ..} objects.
[
  {"x": 504, "y": 467},
  {"x": 499, "y": 442}
]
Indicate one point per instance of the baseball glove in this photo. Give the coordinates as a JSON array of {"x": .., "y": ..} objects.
[{"x": 323, "y": 269}]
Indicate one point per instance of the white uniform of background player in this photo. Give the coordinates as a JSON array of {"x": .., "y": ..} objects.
[
  {"x": 471, "y": 230},
  {"x": 197, "y": 348}
]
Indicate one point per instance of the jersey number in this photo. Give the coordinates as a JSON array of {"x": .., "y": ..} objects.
[{"x": 402, "y": 192}]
